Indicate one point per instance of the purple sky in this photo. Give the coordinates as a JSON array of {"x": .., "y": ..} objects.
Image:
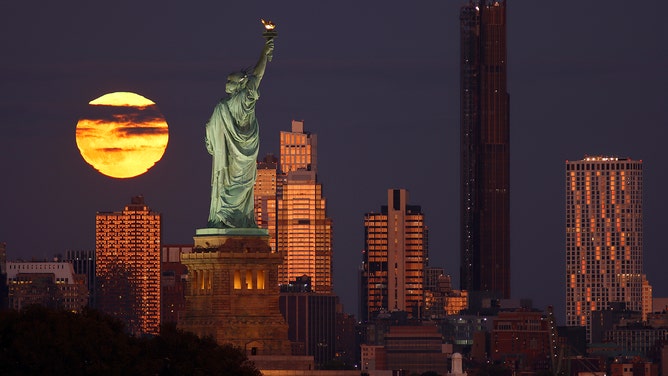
[{"x": 377, "y": 81}]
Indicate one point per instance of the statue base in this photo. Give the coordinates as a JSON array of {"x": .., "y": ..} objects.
[
  {"x": 215, "y": 237},
  {"x": 232, "y": 291}
]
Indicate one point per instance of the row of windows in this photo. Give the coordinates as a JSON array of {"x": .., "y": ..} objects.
[{"x": 584, "y": 166}]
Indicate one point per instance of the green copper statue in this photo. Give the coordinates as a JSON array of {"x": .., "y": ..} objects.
[{"x": 232, "y": 138}]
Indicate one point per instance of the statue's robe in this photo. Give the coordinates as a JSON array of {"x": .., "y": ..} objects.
[{"x": 232, "y": 138}]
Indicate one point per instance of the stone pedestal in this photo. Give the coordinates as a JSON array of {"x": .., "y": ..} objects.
[{"x": 232, "y": 291}]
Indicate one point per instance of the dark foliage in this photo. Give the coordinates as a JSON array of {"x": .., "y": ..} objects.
[
  {"x": 39, "y": 341},
  {"x": 493, "y": 370}
]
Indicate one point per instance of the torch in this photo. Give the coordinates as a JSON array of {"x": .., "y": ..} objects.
[{"x": 269, "y": 33}]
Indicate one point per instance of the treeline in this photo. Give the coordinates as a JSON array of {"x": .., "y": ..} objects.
[{"x": 40, "y": 341}]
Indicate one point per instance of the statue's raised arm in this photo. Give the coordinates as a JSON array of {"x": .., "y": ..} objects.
[
  {"x": 261, "y": 65},
  {"x": 232, "y": 138}
]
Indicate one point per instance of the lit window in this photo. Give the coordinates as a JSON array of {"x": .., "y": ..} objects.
[
  {"x": 249, "y": 280},
  {"x": 237, "y": 280},
  {"x": 260, "y": 279}
]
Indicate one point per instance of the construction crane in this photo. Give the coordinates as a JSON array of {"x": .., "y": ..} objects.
[{"x": 556, "y": 350}]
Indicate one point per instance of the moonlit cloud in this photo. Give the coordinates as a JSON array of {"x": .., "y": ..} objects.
[
  {"x": 122, "y": 136},
  {"x": 141, "y": 131}
]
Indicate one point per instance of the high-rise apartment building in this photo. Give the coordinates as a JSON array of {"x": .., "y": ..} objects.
[
  {"x": 304, "y": 232},
  {"x": 485, "y": 150},
  {"x": 127, "y": 250},
  {"x": 394, "y": 258},
  {"x": 603, "y": 236}
]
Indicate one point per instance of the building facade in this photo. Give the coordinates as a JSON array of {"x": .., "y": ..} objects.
[
  {"x": 394, "y": 258},
  {"x": 604, "y": 233},
  {"x": 304, "y": 231},
  {"x": 83, "y": 262},
  {"x": 647, "y": 298},
  {"x": 298, "y": 149},
  {"x": 232, "y": 294},
  {"x": 268, "y": 186},
  {"x": 127, "y": 251},
  {"x": 311, "y": 320},
  {"x": 408, "y": 350},
  {"x": 521, "y": 341},
  {"x": 4, "y": 291},
  {"x": 53, "y": 285},
  {"x": 172, "y": 282},
  {"x": 485, "y": 150}
]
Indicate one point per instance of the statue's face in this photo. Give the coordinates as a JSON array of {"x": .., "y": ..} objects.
[{"x": 233, "y": 83}]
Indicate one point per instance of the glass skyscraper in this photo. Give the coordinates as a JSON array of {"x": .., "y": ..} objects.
[
  {"x": 485, "y": 150},
  {"x": 304, "y": 232}
]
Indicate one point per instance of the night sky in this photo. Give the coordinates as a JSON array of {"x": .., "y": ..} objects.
[{"x": 377, "y": 81}]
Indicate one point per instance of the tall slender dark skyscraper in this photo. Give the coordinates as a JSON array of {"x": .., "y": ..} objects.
[{"x": 485, "y": 150}]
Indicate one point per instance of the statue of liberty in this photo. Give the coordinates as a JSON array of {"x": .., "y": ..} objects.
[{"x": 232, "y": 138}]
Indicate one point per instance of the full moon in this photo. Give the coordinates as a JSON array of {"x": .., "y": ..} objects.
[{"x": 122, "y": 135}]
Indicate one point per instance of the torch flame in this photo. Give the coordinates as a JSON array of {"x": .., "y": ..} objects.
[{"x": 268, "y": 24}]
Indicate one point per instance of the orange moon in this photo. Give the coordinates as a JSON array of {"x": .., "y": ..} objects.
[{"x": 122, "y": 134}]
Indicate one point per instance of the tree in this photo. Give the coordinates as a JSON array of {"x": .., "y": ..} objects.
[{"x": 38, "y": 340}]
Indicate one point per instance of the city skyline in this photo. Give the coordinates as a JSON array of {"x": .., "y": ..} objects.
[{"x": 380, "y": 87}]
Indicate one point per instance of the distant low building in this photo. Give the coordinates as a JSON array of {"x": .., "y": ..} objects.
[
  {"x": 172, "y": 282},
  {"x": 347, "y": 338},
  {"x": 83, "y": 262},
  {"x": 521, "y": 340},
  {"x": 440, "y": 299},
  {"x": 311, "y": 320},
  {"x": 605, "y": 320},
  {"x": 49, "y": 284},
  {"x": 637, "y": 338},
  {"x": 4, "y": 292},
  {"x": 634, "y": 368},
  {"x": 411, "y": 348}
]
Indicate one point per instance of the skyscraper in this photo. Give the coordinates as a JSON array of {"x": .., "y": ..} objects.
[
  {"x": 485, "y": 150},
  {"x": 127, "y": 251},
  {"x": 603, "y": 236},
  {"x": 299, "y": 149},
  {"x": 394, "y": 258},
  {"x": 268, "y": 186},
  {"x": 304, "y": 232}
]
